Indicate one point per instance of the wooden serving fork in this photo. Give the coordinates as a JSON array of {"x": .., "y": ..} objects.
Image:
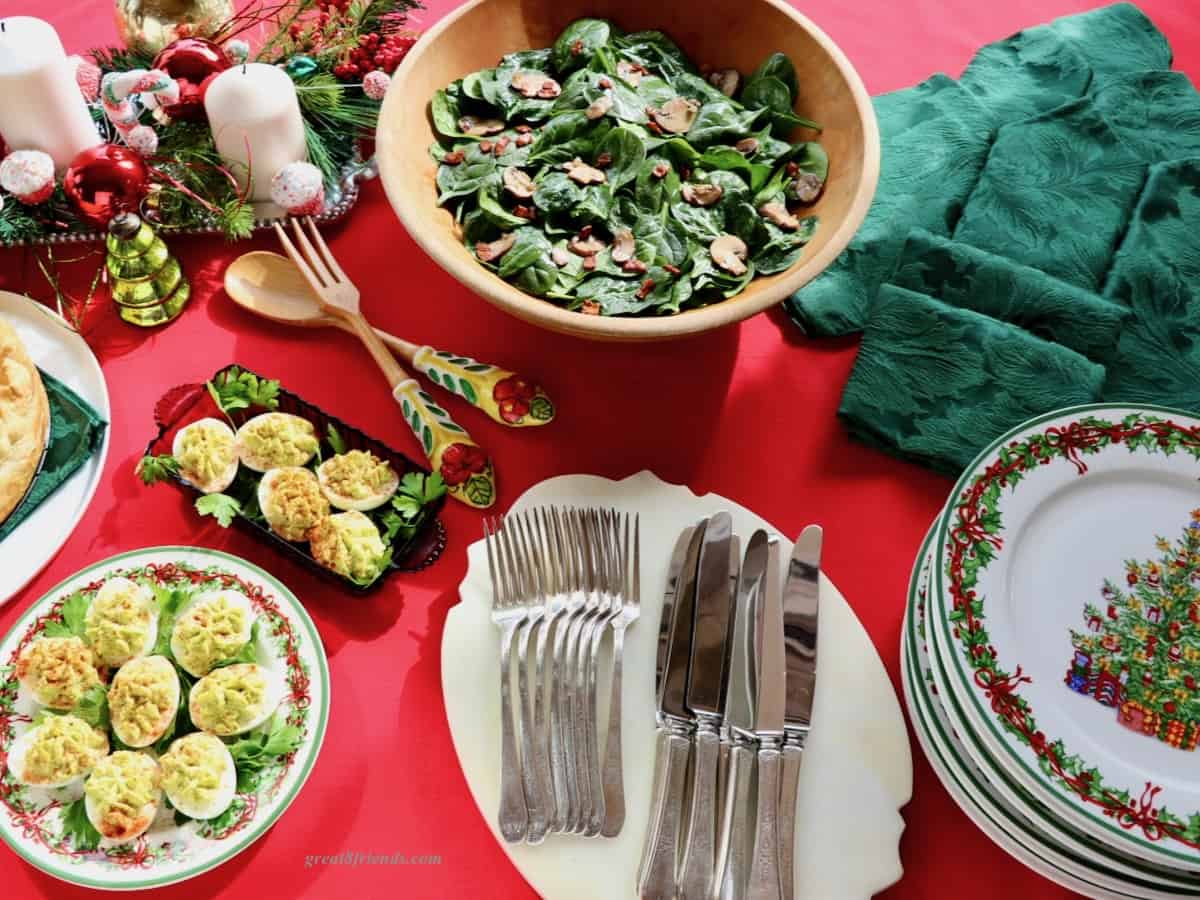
[{"x": 465, "y": 467}]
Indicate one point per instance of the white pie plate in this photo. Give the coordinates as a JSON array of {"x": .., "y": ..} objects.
[
  {"x": 58, "y": 350},
  {"x": 857, "y": 772}
]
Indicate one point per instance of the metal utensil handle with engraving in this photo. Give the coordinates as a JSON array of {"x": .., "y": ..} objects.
[
  {"x": 536, "y": 803},
  {"x": 699, "y": 846},
  {"x": 660, "y": 855},
  {"x": 764, "y": 883},
  {"x": 514, "y": 818},
  {"x": 789, "y": 786},
  {"x": 614, "y": 776},
  {"x": 733, "y": 852}
]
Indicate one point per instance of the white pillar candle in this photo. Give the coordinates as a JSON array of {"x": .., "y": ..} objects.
[
  {"x": 256, "y": 123},
  {"x": 41, "y": 107}
]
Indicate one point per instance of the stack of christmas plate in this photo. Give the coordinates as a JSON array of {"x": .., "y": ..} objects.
[{"x": 1051, "y": 648}]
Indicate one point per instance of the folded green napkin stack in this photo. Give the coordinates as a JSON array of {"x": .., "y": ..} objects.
[
  {"x": 1057, "y": 265},
  {"x": 76, "y": 431}
]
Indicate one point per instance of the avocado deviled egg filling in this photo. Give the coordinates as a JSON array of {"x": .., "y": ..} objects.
[
  {"x": 206, "y": 451},
  {"x": 349, "y": 543},
  {"x": 122, "y": 794},
  {"x": 143, "y": 700},
  {"x": 273, "y": 440},
  {"x": 291, "y": 501},
  {"x": 357, "y": 480},
  {"x": 121, "y": 622},
  {"x": 57, "y": 671},
  {"x": 57, "y": 752},
  {"x": 211, "y": 628},
  {"x": 233, "y": 699},
  {"x": 199, "y": 776}
]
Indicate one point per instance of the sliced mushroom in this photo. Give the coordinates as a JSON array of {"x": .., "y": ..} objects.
[
  {"x": 517, "y": 183},
  {"x": 631, "y": 72},
  {"x": 581, "y": 173},
  {"x": 727, "y": 81},
  {"x": 529, "y": 83},
  {"x": 599, "y": 107},
  {"x": 702, "y": 194},
  {"x": 778, "y": 213},
  {"x": 477, "y": 127},
  {"x": 729, "y": 252},
  {"x": 560, "y": 257},
  {"x": 675, "y": 116},
  {"x": 747, "y": 146},
  {"x": 585, "y": 245},
  {"x": 623, "y": 246},
  {"x": 807, "y": 187},
  {"x": 497, "y": 248}
]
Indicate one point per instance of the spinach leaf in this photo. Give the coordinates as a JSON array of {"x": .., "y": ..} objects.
[
  {"x": 727, "y": 159},
  {"x": 530, "y": 245},
  {"x": 688, "y": 85},
  {"x": 616, "y": 296},
  {"x": 668, "y": 237},
  {"x": 655, "y": 51},
  {"x": 556, "y": 194},
  {"x": 654, "y": 91},
  {"x": 779, "y": 67},
  {"x": 538, "y": 277},
  {"x": 643, "y": 251},
  {"x": 528, "y": 59},
  {"x": 721, "y": 122},
  {"x": 476, "y": 171},
  {"x": 702, "y": 225},
  {"x": 566, "y": 136},
  {"x": 767, "y": 93},
  {"x": 445, "y": 112},
  {"x": 489, "y": 205},
  {"x": 628, "y": 152},
  {"x": 596, "y": 205},
  {"x": 581, "y": 39},
  {"x": 652, "y": 192}
]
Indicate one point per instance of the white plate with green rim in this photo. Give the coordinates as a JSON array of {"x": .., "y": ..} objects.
[
  {"x": 31, "y": 820},
  {"x": 1051, "y": 659},
  {"x": 1021, "y": 826}
]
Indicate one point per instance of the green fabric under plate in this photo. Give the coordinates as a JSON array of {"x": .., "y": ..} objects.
[
  {"x": 920, "y": 358},
  {"x": 76, "y": 431}
]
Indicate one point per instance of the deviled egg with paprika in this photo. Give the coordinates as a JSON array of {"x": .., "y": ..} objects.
[
  {"x": 233, "y": 699},
  {"x": 143, "y": 700},
  {"x": 206, "y": 451},
  {"x": 291, "y": 501},
  {"x": 122, "y": 795},
  {"x": 276, "y": 439},
  {"x": 199, "y": 776},
  {"x": 121, "y": 622},
  {"x": 57, "y": 752},
  {"x": 57, "y": 671},
  {"x": 357, "y": 480},
  {"x": 349, "y": 543},
  {"x": 214, "y": 626}
]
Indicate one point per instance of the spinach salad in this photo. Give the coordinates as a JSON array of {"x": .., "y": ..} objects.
[{"x": 609, "y": 175}]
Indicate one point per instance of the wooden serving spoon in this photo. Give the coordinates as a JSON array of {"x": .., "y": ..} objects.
[{"x": 270, "y": 285}]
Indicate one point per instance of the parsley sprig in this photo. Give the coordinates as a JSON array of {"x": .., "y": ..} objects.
[
  {"x": 153, "y": 469},
  {"x": 254, "y": 753},
  {"x": 236, "y": 389},
  {"x": 221, "y": 507},
  {"x": 416, "y": 491}
]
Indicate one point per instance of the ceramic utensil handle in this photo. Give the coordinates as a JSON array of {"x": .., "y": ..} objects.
[
  {"x": 764, "y": 881},
  {"x": 463, "y": 465},
  {"x": 733, "y": 852},
  {"x": 789, "y": 786},
  {"x": 506, "y": 397},
  {"x": 699, "y": 848},
  {"x": 659, "y": 858}
]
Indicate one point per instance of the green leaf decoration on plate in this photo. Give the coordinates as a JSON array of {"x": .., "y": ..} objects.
[{"x": 480, "y": 491}]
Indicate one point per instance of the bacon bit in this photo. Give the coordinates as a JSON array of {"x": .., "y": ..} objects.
[
  {"x": 793, "y": 169},
  {"x": 645, "y": 289},
  {"x": 604, "y": 83},
  {"x": 674, "y": 270},
  {"x": 523, "y": 129},
  {"x": 524, "y": 140},
  {"x": 525, "y": 212},
  {"x": 661, "y": 170},
  {"x": 590, "y": 308},
  {"x": 502, "y": 145},
  {"x": 589, "y": 262},
  {"x": 634, "y": 265},
  {"x": 453, "y": 159},
  {"x": 486, "y": 146},
  {"x": 585, "y": 232},
  {"x": 655, "y": 127},
  {"x": 604, "y": 160},
  {"x": 686, "y": 174},
  {"x": 577, "y": 47}
]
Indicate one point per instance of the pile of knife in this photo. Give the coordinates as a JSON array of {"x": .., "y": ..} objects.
[{"x": 736, "y": 669}]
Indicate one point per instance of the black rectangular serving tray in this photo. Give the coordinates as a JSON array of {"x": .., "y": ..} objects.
[{"x": 178, "y": 407}]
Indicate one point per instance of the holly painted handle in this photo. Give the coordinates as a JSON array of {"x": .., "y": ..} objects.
[
  {"x": 506, "y": 397},
  {"x": 463, "y": 465}
]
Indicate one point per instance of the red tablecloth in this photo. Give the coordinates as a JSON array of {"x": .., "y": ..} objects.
[{"x": 748, "y": 412}]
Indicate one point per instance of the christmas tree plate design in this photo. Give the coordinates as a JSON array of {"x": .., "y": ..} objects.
[
  {"x": 1037, "y": 532},
  {"x": 33, "y": 821},
  {"x": 1004, "y": 811}
]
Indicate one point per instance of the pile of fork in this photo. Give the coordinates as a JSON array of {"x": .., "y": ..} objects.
[{"x": 562, "y": 580}]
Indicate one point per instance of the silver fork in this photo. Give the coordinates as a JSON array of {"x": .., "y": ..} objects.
[
  {"x": 595, "y": 532},
  {"x": 562, "y": 705},
  {"x": 508, "y": 612},
  {"x": 628, "y": 608}
]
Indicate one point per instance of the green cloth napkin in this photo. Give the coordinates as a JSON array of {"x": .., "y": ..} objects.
[
  {"x": 1029, "y": 73},
  {"x": 970, "y": 278},
  {"x": 76, "y": 431},
  {"x": 920, "y": 357}
]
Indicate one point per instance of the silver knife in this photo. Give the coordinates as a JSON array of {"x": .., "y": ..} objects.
[
  {"x": 656, "y": 877},
  {"x": 801, "y": 603},
  {"x": 705, "y": 699},
  {"x": 733, "y": 839}
]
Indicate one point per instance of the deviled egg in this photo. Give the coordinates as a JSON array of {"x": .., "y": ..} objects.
[
  {"x": 58, "y": 752},
  {"x": 143, "y": 700},
  {"x": 57, "y": 671},
  {"x": 122, "y": 622},
  {"x": 233, "y": 699},
  {"x": 212, "y": 627},
  {"x": 206, "y": 451},
  {"x": 291, "y": 501},
  {"x": 349, "y": 544},
  {"x": 357, "y": 480},
  {"x": 276, "y": 439},
  {"x": 122, "y": 794},
  {"x": 199, "y": 777}
]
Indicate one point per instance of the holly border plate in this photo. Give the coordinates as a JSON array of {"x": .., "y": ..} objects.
[
  {"x": 1003, "y": 811},
  {"x": 31, "y": 820},
  {"x": 1036, "y": 529}
]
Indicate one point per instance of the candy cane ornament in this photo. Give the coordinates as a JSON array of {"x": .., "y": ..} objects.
[{"x": 154, "y": 88}]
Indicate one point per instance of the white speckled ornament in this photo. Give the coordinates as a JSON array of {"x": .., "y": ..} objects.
[
  {"x": 299, "y": 188},
  {"x": 375, "y": 84},
  {"x": 142, "y": 139},
  {"x": 28, "y": 175}
]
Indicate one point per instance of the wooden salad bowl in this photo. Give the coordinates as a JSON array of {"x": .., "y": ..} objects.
[{"x": 740, "y": 35}]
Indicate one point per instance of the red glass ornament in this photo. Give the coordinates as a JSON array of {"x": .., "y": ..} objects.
[
  {"x": 105, "y": 180},
  {"x": 193, "y": 63}
]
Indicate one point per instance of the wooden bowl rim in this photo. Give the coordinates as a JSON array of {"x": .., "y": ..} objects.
[{"x": 612, "y": 328}]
